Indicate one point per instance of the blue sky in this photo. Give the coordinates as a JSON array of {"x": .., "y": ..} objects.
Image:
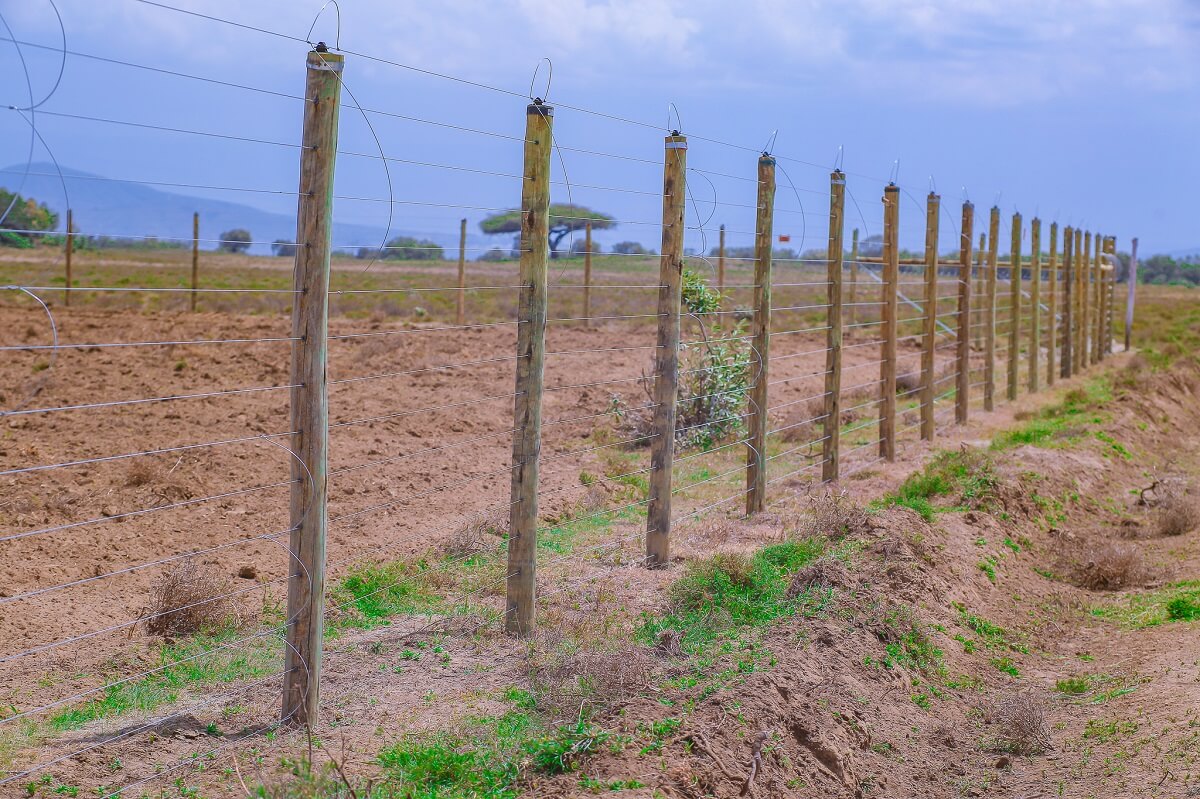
[{"x": 1084, "y": 111}]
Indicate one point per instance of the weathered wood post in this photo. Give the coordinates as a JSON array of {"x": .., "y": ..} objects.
[
  {"x": 1097, "y": 332},
  {"x": 1079, "y": 264},
  {"x": 853, "y": 294},
  {"x": 929, "y": 331},
  {"x": 980, "y": 291},
  {"x": 310, "y": 397},
  {"x": 1086, "y": 269},
  {"x": 1052, "y": 315},
  {"x": 1068, "y": 303},
  {"x": 834, "y": 252},
  {"x": 1130, "y": 294},
  {"x": 587, "y": 276},
  {"x": 1035, "y": 303},
  {"x": 69, "y": 251},
  {"x": 760, "y": 340},
  {"x": 891, "y": 279},
  {"x": 460, "y": 315},
  {"x": 962, "y": 392},
  {"x": 1014, "y": 308},
  {"x": 721, "y": 262},
  {"x": 195, "y": 257},
  {"x": 989, "y": 313},
  {"x": 531, "y": 361},
  {"x": 666, "y": 361},
  {"x": 1111, "y": 332}
]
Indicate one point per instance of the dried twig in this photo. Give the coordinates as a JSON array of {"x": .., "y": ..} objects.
[{"x": 760, "y": 740}]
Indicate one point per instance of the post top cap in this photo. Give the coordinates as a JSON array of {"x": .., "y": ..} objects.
[{"x": 539, "y": 108}]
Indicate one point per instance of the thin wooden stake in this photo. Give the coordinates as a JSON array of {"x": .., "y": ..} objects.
[
  {"x": 962, "y": 394},
  {"x": 520, "y": 616},
  {"x": 1014, "y": 308},
  {"x": 1085, "y": 299},
  {"x": 980, "y": 291},
  {"x": 989, "y": 314},
  {"x": 853, "y": 294},
  {"x": 1130, "y": 294},
  {"x": 310, "y": 397},
  {"x": 460, "y": 315},
  {"x": 891, "y": 279},
  {"x": 666, "y": 381},
  {"x": 70, "y": 250},
  {"x": 1052, "y": 314},
  {"x": 1068, "y": 303},
  {"x": 587, "y": 275},
  {"x": 1035, "y": 304},
  {"x": 831, "y": 466},
  {"x": 1097, "y": 332},
  {"x": 929, "y": 339},
  {"x": 721, "y": 262},
  {"x": 760, "y": 340},
  {"x": 195, "y": 257}
]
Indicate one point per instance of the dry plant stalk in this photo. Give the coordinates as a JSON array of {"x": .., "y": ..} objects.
[
  {"x": 187, "y": 599},
  {"x": 1111, "y": 567},
  {"x": 1021, "y": 720}
]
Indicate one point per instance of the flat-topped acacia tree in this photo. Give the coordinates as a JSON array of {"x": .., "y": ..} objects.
[{"x": 564, "y": 219}]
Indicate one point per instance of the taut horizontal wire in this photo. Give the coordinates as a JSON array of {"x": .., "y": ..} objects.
[{"x": 146, "y": 400}]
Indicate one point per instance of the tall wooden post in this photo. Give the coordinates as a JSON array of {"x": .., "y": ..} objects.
[
  {"x": 1052, "y": 315},
  {"x": 891, "y": 279},
  {"x": 1097, "y": 331},
  {"x": 1014, "y": 308},
  {"x": 195, "y": 257},
  {"x": 666, "y": 361},
  {"x": 831, "y": 467},
  {"x": 531, "y": 362},
  {"x": 929, "y": 337},
  {"x": 70, "y": 251},
  {"x": 720, "y": 261},
  {"x": 1085, "y": 301},
  {"x": 962, "y": 393},
  {"x": 1130, "y": 294},
  {"x": 310, "y": 397},
  {"x": 1068, "y": 303},
  {"x": 587, "y": 275},
  {"x": 460, "y": 316},
  {"x": 1079, "y": 269},
  {"x": 989, "y": 313},
  {"x": 980, "y": 290},
  {"x": 760, "y": 340},
  {"x": 1035, "y": 303},
  {"x": 853, "y": 293}
]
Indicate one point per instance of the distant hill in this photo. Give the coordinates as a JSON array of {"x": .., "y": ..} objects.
[{"x": 117, "y": 208}]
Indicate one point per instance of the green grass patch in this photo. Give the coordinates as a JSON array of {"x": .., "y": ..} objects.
[
  {"x": 1060, "y": 423},
  {"x": 967, "y": 476},
  {"x": 1178, "y": 602}
]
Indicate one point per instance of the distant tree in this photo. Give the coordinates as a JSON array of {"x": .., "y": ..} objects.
[
  {"x": 496, "y": 254},
  {"x": 871, "y": 246},
  {"x": 629, "y": 248},
  {"x": 563, "y": 220},
  {"x": 579, "y": 246},
  {"x": 236, "y": 240},
  {"x": 405, "y": 248},
  {"x": 282, "y": 247},
  {"x": 26, "y": 213}
]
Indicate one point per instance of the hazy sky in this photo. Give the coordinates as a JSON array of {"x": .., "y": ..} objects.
[{"x": 1084, "y": 111}]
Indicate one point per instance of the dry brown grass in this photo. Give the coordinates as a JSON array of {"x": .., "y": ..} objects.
[
  {"x": 1176, "y": 511},
  {"x": 824, "y": 573},
  {"x": 478, "y": 534},
  {"x": 186, "y": 599},
  {"x": 139, "y": 473},
  {"x": 833, "y": 515},
  {"x": 589, "y": 681},
  {"x": 1020, "y": 725},
  {"x": 1111, "y": 566}
]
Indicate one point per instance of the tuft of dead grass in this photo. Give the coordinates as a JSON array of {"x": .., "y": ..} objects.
[
  {"x": 1020, "y": 724},
  {"x": 834, "y": 515},
  {"x": 475, "y": 536},
  {"x": 826, "y": 572},
  {"x": 1111, "y": 567},
  {"x": 186, "y": 599},
  {"x": 588, "y": 681},
  {"x": 1176, "y": 511}
]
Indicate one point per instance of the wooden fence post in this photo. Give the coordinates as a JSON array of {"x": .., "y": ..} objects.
[
  {"x": 760, "y": 340},
  {"x": 587, "y": 276},
  {"x": 460, "y": 316},
  {"x": 1035, "y": 303},
  {"x": 979, "y": 293},
  {"x": 989, "y": 313},
  {"x": 721, "y": 262},
  {"x": 834, "y": 252},
  {"x": 853, "y": 294},
  {"x": 962, "y": 393},
  {"x": 1014, "y": 308},
  {"x": 1085, "y": 298},
  {"x": 70, "y": 250},
  {"x": 195, "y": 257},
  {"x": 1068, "y": 303},
  {"x": 310, "y": 397},
  {"x": 1079, "y": 266},
  {"x": 666, "y": 380},
  {"x": 1111, "y": 331},
  {"x": 1098, "y": 328},
  {"x": 1130, "y": 294},
  {"x": 521, "y": 611},
  {"x": 929, "y": 339},
  {"x": 891, "y": 279},
  {"x": 1052, "y": 315}
]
